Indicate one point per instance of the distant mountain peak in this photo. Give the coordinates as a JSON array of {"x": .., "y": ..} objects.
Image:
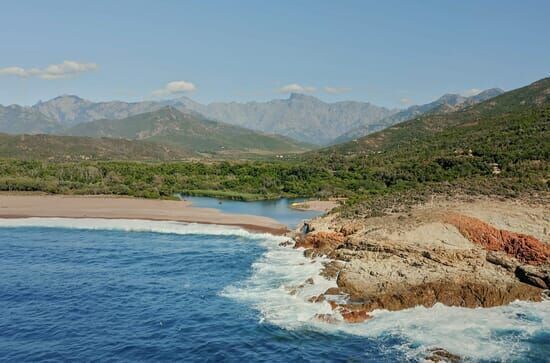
[
  {"x": 170, "y": 112},
  {"x": 301, "y": 97},
  {"x": 451, "y": 98}
]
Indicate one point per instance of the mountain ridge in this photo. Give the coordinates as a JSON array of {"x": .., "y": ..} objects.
[
  {"x": 169, "y": 125},
  {"x": 302, "y": 117},
  {"x": 447, "y": 103}
]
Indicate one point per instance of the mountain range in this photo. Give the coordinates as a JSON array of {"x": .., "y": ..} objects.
[
  {"x": 301, "y": 117},
  {"x": 514, "y": 122},
  {"x": 193, "y": 132},
  {"x": 444, "y": 104}
]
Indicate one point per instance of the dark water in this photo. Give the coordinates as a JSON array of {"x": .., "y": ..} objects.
[
  {"x": 108, "y": 295},
  {"x": 278, "y": 210}
]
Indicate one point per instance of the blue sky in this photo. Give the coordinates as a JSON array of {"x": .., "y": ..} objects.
[{"x": 389, "y": 53}]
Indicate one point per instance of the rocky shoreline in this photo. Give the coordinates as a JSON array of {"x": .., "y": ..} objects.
[{"x": 477, "y": 253}]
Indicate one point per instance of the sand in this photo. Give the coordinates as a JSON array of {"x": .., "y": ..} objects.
[
  {"x": 63, "y": 206},
  {"x": 316, "y": 205}
]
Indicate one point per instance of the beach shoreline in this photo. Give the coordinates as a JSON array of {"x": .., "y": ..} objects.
[{"x": 26, "y": 205}]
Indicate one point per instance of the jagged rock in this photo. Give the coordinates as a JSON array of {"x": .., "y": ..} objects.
[
  {"x": 503, "y": 260},
  {"x": 349, "y": 228},
  {"x": 327, "y": 318},
  {"x": 451, "y": 293},
  {"x": 355, "y": 316},
  {"x": 330, "y": 269},
  {"x": 442, "y": 355},
  {"x": 322, "y": 242},
  {"x": 317, "y": 299},
  {"x": 524, "y": 248},
  {"x": 534, "y": 276},
  {"x": 286, "y": 243},
  {"x": 434, "y": 254}
]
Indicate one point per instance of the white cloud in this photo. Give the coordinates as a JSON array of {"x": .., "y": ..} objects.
[
  {"x": 336, "y": 90},
  {"x": 296, "y": 88},
  {"x": 471, "y": 92},
  {"x": 406, "y": 101},
  {"x": 175, "y": 87},
  {"x": 13, "y": 71},
  {"x": 53, "y": 71}
]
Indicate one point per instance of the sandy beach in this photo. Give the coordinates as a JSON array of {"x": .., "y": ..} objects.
[
  {"x": 64, "y": 206},
  {"x": 316, "y": 205}
]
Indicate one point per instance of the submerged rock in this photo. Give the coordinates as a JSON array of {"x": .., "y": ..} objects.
[
  {"x": 442, "y": 355},
  {"x": 355, "y": 316}
]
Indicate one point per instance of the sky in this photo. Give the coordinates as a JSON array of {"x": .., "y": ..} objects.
[{"x": 390, "y": 53}]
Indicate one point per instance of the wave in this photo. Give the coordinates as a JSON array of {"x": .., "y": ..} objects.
[
  {"x": 277, "y": 288},
  {"x": 136, "y": 225}
]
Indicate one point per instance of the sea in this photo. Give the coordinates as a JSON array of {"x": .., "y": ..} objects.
[{"x": 83, "y": 290}]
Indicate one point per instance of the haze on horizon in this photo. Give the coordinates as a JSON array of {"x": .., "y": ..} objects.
[{"x": 393, "y": 54}]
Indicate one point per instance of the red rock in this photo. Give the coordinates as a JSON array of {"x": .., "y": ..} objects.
[
  {"x": 357, "y": 316},
  {"x": 524, "y": 248},
  {"x": 321, "y": 242}
]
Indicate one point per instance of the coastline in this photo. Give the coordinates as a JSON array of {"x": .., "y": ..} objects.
[
  {"x": 469, "y": 253},
  {"x": 107, "y": 207}
]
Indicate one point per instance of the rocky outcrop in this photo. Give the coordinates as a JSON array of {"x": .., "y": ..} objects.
[
  {"x": 524, "y": 248},
  {"x": 320, "y": 243},
  {"x": 434, "y": 254},
  {"x": 468, "y": 294}
]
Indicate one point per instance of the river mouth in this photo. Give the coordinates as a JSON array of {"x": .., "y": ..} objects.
[{"x": 279, "y": 209}]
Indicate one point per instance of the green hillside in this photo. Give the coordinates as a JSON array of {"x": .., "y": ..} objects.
[
  {"x": 67, "y": 148},
  {"x": 170, "y": 126},
  {"x": 498, "y": 119},
  {"x": 498, "y": 147}
]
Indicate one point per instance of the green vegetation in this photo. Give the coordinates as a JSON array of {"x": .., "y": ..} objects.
[
  {"x": 498, "y": 147},
  {"x": 190, "y": 131},
  {"x": 71, "y": 148}
]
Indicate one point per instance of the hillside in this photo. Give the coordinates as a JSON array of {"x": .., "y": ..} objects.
[
  {"x": 444, "y": 104},
  {"x": 170, "y": 126},
  {"x": 501, "y": 120},
  {"x": 71, "y": 148}
]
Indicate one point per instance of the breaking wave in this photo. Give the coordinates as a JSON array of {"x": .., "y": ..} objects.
[
  {"x": 278, "y": 289},
  {"x": 283, "y": 280},
  {"x": 136, "y": 225}
]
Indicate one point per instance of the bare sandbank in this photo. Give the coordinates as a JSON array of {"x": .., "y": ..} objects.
[
  {"x": 316, "y": 205},
  {"x": 65, "y": 206}
]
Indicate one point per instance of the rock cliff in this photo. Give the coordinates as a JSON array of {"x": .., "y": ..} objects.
[{"x": 450, "y": 252}]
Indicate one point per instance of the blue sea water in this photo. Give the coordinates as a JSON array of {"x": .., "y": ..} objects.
[{"x": 92, "y": 290}]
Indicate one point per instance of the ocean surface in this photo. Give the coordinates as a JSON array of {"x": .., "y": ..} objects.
[{"x": 121, "y": 290}]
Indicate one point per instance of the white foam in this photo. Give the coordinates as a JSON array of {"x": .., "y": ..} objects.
[
  {"x": 478, "y": 334},
  {"x": 497, "y": 333},
  {"x": 278, "y": 288},
  {"x": 136, "y": 225}
]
